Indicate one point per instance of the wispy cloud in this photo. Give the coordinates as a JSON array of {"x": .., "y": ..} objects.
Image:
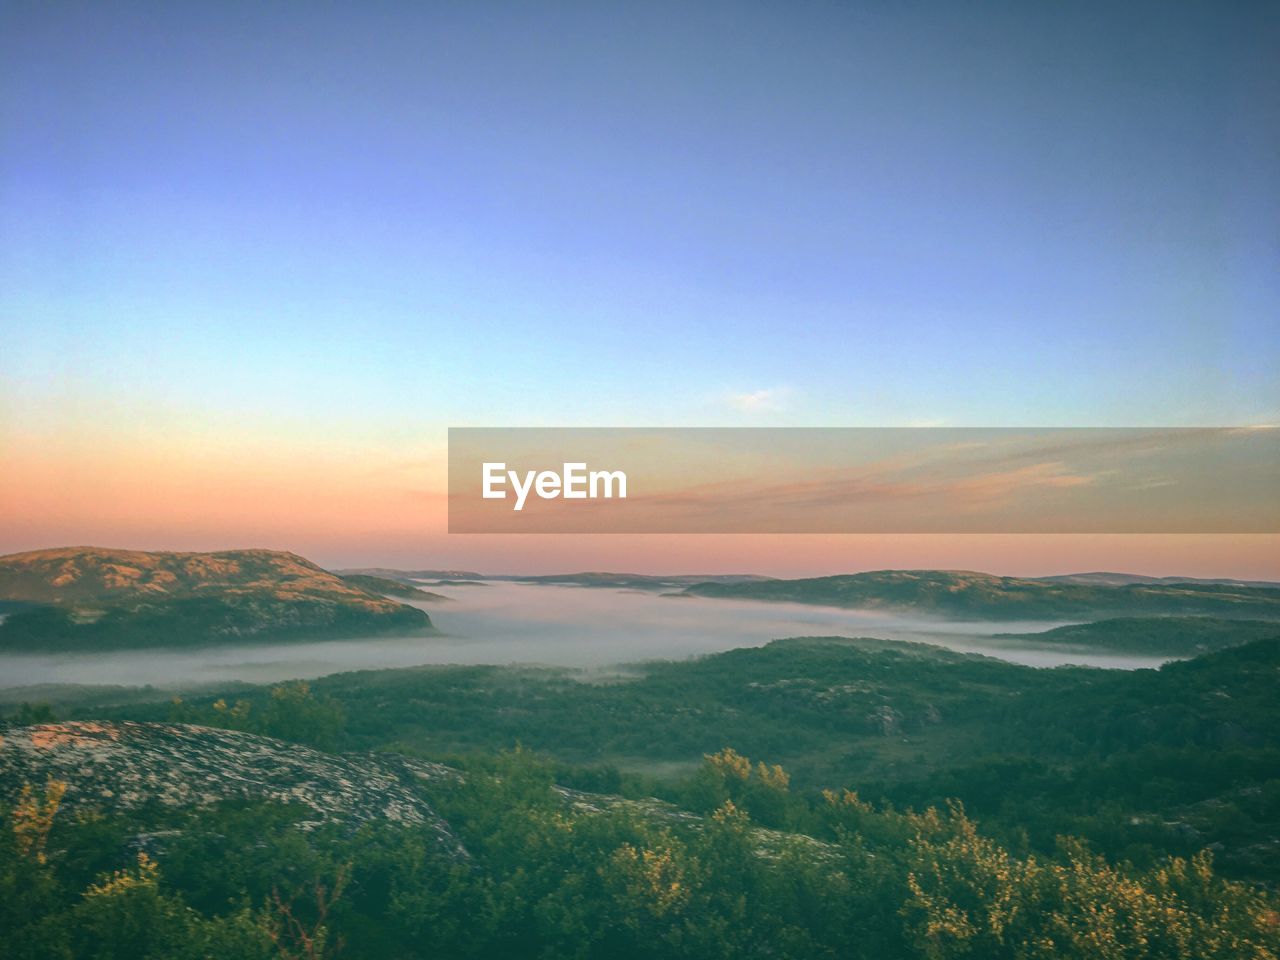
[
  {"x": 757, "y": 401},
  {"x": 1003, "y": 485},
  {"x": 847, "y": 488}
]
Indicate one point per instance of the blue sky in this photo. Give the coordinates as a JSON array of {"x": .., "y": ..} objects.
[
  {"x": 619, "y": 213},
  {"x": 255, "y": 258}
]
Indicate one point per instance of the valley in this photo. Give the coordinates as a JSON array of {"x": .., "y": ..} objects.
[{"x": 605, "y": 762}]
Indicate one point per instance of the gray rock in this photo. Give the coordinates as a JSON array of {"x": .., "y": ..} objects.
[{"x": 125, "y": 765}]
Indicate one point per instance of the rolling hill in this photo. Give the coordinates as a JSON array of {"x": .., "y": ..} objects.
[
  {"x": 95, "y": 598},
  {"x": 1109, "y": 579},
  {"x": 962, "y": 594},
  {"x": 1172, "y": 636},
  {"x": 1140, "y": 762}
]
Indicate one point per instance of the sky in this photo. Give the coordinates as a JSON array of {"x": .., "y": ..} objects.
[{"x": 256, "y": 259}]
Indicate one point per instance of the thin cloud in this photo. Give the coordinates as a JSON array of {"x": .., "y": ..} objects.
[
  {"x": 759, "y": 401},
  {"x": 842, "y": 489}
]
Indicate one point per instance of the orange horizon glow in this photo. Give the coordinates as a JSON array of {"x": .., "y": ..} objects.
[
  {"x": 343, "y": 504},
  {"x": 349, "y": 527}
]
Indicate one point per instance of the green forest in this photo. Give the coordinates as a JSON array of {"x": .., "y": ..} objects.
[{"x": 816, "y": 797}]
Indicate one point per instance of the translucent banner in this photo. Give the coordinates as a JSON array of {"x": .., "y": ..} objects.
[{"x": 856, "y": 480}]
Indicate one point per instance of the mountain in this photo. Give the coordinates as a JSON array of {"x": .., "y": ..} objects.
[
  {"x": 1171, "y": 636},
  {"x": 962, "y": 594},
  {"x": 392, "y": 588},
  {"x": 91, "y": 597}
]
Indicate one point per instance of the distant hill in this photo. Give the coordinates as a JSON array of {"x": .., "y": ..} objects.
[
  {"x": 96, "y": 598},
  {"x": 1175, "y": 636},
  {"x": 635, "y": 581},
  {"x": 1103, "y": 579},
  {"x": 643, "y": 581},
  {"x": 390, "y": 573},
  {"x": 962, "y": 594},
  {"x": 393, "y": 588}
]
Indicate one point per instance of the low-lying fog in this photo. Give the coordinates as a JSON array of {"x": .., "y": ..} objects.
[{"x": 500, "y": 623}]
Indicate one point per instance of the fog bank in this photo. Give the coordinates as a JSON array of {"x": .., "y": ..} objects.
[{"x": 503, "y": 623}]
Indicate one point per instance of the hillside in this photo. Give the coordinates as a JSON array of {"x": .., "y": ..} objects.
[
  {"x": 1143, "y": 761},
  {"x": 180, "y": 842},
  {"x": 1172, "y": 636},
  {"x": 1109, "y": 579},
  {"x": 962, "y": 594},
  {"x": 125, "y": 767},
  {"x": 93, "y": 598}
]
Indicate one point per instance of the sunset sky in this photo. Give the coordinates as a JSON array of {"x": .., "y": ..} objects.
[{"x": 255, "y": 260}]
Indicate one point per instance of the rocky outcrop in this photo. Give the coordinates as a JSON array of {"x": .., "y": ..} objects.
[
  {"x": 123, "y": 766},
  {"x": 885, "y": 721}
]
